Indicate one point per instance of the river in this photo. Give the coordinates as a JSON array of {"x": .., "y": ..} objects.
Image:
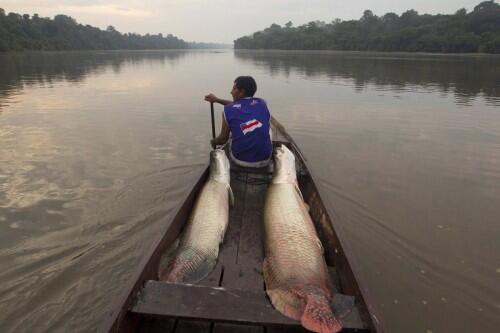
[{"x": 96, "y": 150}]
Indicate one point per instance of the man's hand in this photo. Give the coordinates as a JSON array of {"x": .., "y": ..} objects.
[{"x": 211, "y": 98}]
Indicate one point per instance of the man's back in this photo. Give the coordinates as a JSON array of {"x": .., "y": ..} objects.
[{"x": 248, "y": 120}]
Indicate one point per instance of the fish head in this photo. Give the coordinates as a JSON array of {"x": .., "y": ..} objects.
[
  {"x": 284, "y": 166},
  {"x": 219, "y": 166}
]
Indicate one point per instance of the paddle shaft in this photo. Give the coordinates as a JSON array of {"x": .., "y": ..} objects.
[{"x": 213, "y": 122}]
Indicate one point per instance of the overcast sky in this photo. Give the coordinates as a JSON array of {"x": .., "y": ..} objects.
[{"x": 219, "y": 20}]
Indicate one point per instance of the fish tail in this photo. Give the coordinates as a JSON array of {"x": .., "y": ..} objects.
[
  {"x": 189, "y": 266},
  {"x": 318, "y": 315}
]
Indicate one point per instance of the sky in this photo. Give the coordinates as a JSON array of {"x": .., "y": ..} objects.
[{"x": 220, "y": 21}]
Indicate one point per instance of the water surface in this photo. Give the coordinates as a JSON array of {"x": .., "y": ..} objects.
[{"x": 97, "y": 148}]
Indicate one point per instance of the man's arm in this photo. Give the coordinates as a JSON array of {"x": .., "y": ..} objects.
[
  {"x": 214, "y": 99},
  {"x": 223, "y": 136}
]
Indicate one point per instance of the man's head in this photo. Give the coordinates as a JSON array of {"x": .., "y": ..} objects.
[{"x": 244, "y": 86}]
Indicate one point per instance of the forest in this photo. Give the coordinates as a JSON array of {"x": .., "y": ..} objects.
[
  {"x": 22, "y": 32},
  {"x": 461, "y": 32}
]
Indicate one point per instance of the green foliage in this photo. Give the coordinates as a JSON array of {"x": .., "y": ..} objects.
[
  {"x": 477, "y": 31},
  {"x": 18, "y": 33}
]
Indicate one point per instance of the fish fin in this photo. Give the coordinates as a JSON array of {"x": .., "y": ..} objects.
[
  {"x": 222, "y": 234},
  {"x": 201, "y": 272},
  {"x": 171, "y": 272},
  {"x": 321, "y": 248},
  {"x": 189, "y": 266},
  {"x": 318, "y": 315},
  {"x": 287, "y": 302},
  {"x": 298, "y": 191},
  {"x": 168, "y": 255},
  {"x": 231, "y": 195},
  {"x": 307, "y": 207},
  {"x": 265, "y": 271}
]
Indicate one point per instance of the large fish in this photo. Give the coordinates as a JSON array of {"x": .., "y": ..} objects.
[
  {"x": 198, "y": 247},
  {"x": 295, "y": 271}
]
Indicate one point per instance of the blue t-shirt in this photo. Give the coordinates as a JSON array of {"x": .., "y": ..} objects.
[{"x": 248, "y": 121}]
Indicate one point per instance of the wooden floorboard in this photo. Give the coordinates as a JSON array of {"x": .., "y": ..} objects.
[
  {"x": 193, "y": 326},
  {"x": 146, "y": 325},
  {"x": 235, "y": 275},
  {"x": 282, "y": 329},
  {"x": 234, "y": 328},
  {"x": 251, "y": 246},
  {"x": 229, "y": 249},
  {"x": 157, "y": 325}
]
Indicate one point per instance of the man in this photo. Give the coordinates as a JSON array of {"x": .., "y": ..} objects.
[{"x": 246, "y": 124}]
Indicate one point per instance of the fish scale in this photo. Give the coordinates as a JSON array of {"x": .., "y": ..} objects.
[
  {"x": 295, "y": 271},
  {"x": 198, "y": 248},
  {"x": 290, "y": 240}
]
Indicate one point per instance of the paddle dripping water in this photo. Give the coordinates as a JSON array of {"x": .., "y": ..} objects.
[
  {"x": 198, "y": 247},
  {"x": 295, "y": 270}
]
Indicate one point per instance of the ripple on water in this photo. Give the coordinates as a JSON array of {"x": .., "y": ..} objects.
[{"x": 406, "y": 148}]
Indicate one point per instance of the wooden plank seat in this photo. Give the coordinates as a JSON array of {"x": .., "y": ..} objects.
[{"x": 227, "y": 305}]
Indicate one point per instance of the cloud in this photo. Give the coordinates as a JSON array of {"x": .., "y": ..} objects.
[
  {"x": 106, "y": 10},
  {"x": 97, "y": 7}
]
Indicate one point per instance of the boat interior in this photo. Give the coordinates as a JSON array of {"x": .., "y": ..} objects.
[{"x": 232, "y": 297}]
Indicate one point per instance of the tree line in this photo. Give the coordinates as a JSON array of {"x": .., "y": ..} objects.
[
  {"x": 477, "y": 31},
  {"x": 22, "y": 32}
]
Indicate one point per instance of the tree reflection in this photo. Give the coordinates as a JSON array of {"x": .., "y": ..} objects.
[
  {"x": 18, "y": 70},
  {"x": 467, "y": 77}
]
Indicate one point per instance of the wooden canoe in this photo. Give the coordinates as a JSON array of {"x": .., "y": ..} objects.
[{"x": 232, "y": 298}]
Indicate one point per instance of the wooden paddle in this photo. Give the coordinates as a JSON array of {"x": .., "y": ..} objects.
[{"x": 213, "y": 122}]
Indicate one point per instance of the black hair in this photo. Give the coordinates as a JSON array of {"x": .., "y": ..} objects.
[{"x": 247, "y": 83}]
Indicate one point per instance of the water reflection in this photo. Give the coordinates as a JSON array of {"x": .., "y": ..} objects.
[
  {"x": 20, "y": 70},
  {"x": 467, "y": 77}
]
